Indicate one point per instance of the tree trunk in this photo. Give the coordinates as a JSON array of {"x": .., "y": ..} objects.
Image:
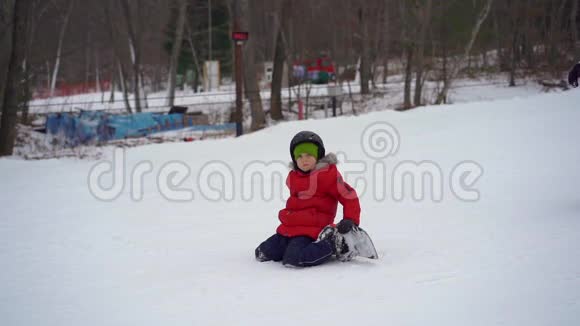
[
  {"x": 124, "y": 88},
  {"x": 48, "y": 74},
  {"x": 513, "y": 49},
  {"x": 97, "y": 73},
  {"x": 7, "y": 12},
  {"x": 408, "y": 48},
  {"x": 142, "y": 89},
  {"x": 25, "y": 94},
  {"x": 574, "y": 29},
  {"x": 425, "y": 18},
  {"x": 194, "y": 55},
  {"x": 385, "y": 69},
  {"x": 59, "y": 47},
  {"x": 527, "y": 43},
  {"x": 408, "y": 76},
  {"x": 386, "y": 42},
  {"x": 113, "y": 87},
  {"x": 196, "y": 82},
  {"x": 445, "y": 69},
  {"x": 375, "y": 62},
  {"x": 278, "y": 70},
  {"x": 135, "y": 52},
  {"x": 289, "y": 46},
  {"x": 88, "y": 52},
  {"x": 12, "y": 90},
  {"x": 455, "y": 70},
  {"x": 499, "y": 38},
  {"x": 252, "y": 88},
  {"x": 555, "y": 19},
  {"x": 119, "y": 65},
  {"x": 175, "y": 51},
  {"x": 514, "y": 20},
  {"x": 365, "y": 71}
]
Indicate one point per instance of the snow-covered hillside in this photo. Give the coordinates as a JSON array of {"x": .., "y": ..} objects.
[{"x": 496, "y": 241}]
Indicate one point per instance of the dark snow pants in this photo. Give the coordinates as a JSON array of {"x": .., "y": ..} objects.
[{"x": 295, "y": 251}]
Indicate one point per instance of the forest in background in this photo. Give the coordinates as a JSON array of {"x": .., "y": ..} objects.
[{"x": 142, "y": 46}]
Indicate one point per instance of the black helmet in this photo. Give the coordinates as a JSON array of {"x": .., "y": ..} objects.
[{"x": 306, "y": 137}]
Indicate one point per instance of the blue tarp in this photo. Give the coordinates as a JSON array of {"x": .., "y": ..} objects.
[
  {"x": 222, "y": 127},
  {"x": 96, "y": 126},
  {"x": 124, "y": 126}
]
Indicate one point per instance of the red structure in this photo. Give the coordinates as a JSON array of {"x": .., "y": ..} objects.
[
  {"x": 64, "y": 89},
  {"x": 320, "y": 70}
]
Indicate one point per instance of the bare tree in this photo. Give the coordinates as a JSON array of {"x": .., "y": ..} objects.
[
  {"x": 279, "y": 59},
  {"x": 386, "y": 40},
  {"x": 408, "y": 49},
  {"x": 409, "y": 52},
  {"x": 424, "y": 17},
  {"x": 514, "y": 10},
  {"x": 13, "y": 88},
  {"x": 118, "y": 65},
  {"x": 252, "y": 89},
  {"x": 527, "y": 32},
  {"x": 62, "y": 34},
  {"x": 175, "y": 51},
  {"x": 6, "y": 20},
  {"x": 365, "y": 60},
  {"x": 26, "y": 75},
  {"x": 574, "y": 29},
  {"x": 442, "y": 96},
  {"x": 133, "y": 30},
  {"x": 511, "y": 28},
  {"x": 556, "y": 17},
  {"x": 194, "y": 56}
]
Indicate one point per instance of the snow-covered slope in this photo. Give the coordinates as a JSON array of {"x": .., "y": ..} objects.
[{"x": 157, "y": 257}]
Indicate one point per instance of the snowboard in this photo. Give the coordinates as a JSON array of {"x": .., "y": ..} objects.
[{"x": 359, "y": 244}]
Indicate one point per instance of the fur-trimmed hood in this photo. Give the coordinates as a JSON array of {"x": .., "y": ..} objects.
[{"x": 327, "y": 160}]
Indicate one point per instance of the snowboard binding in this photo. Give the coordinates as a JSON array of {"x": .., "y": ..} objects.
[{"x": 349, "y": 245}]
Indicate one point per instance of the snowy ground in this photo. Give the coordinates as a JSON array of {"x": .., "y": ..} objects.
[{"x": 157, "y": 257}]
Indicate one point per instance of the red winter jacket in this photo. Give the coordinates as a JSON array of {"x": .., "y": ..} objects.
[{"x": 314, "y": 198}]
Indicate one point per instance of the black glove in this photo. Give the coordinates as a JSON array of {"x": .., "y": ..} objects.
[{"x": 344, "y": 226}]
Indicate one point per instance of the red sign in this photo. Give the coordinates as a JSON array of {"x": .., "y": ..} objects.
[{"x": 240, "y": 36}]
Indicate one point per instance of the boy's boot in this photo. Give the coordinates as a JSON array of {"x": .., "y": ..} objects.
[{"x": 337, "y": 242}]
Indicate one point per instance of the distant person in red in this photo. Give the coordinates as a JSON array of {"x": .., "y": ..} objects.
[{"x": 574, "y": 75}]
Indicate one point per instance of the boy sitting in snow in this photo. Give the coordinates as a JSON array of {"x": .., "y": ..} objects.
[{"x": 316, "y": 187}]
